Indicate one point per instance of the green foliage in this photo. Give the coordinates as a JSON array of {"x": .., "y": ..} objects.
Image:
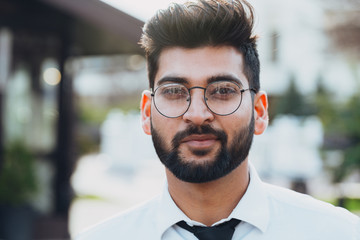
[
  {"x": 351, "y": 162},
  {"x": 326, "y": 109},
  {"x": 292, "y": 102},
  {"x": 92, "y": 114},
  {"x": 351, "y": 117},
  {"x": 343, "y": 121},
  {"x": 349, "y": 124},
  {"x": 17, "y": 179},
  {"x": 96, "y": 113},
  {"x": 340, "y": 121},
  {"x": 352, "y": 204}
]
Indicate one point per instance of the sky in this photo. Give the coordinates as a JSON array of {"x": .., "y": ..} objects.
[{"x": 147, "y": 9}]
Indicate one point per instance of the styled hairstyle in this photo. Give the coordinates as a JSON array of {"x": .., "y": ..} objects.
[{"x": 203, "y": 23}]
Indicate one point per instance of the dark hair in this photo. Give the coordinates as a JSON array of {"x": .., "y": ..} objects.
[{"x": 203, "y": 23}]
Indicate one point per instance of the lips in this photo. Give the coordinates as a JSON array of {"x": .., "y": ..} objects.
[
  {"x": 199, "y": 137},
  {"x": 200, "y": 141}
]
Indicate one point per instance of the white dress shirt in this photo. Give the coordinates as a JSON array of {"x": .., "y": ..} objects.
[{"x": 266, "y": 212}]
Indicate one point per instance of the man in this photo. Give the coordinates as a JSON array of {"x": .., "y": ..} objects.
[{"x": 203, "y": 109}]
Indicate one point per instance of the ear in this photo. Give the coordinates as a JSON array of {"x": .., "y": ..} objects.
[
  {"x": 145, "y": 106},
  {"x": 261, "y": 112}
]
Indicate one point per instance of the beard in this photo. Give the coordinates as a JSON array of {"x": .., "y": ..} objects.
[{"x": 225, "y": 161}]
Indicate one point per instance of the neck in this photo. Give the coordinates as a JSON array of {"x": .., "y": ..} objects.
[{"x": 212, "y": 201}]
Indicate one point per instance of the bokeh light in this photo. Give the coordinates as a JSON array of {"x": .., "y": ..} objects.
[{"x": 52, "y": 76}]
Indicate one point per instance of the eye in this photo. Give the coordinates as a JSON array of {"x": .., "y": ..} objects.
[
  {"x": 172, "y": 92},
  {"x": 223, "y": 91}
]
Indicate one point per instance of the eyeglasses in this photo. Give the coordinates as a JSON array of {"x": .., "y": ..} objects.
[{"x": 223, "y": 98}]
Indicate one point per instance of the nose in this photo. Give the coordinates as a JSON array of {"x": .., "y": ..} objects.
[{"x": 198, "y": 113}]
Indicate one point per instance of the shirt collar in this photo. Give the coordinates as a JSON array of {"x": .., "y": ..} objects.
[
  {"x": 168, "y": 213},
  {"x": 253, "y": 207}
]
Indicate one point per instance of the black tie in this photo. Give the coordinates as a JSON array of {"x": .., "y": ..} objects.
[{"x": 223, "y": 231}]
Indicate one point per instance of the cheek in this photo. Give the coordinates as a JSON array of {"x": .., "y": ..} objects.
[
  {"x": 164, "y": 126},
  {"x": 246, "y": 104},
  {"x": 246, "y": 112},
  {"x": 236, "y": 123}
]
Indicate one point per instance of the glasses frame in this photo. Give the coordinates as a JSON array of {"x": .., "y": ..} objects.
[{"x": 205, "y": 99}]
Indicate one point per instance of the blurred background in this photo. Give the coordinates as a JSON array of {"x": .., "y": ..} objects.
[{"x": 72, "y": 151}]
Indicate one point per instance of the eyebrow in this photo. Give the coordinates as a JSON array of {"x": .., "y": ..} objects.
[
  {"x": 225, "y": 77},
  {"x": 216, "y": 78},
  {"x": 172, "y": 79}
]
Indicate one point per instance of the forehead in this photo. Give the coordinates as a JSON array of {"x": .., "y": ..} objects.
[{"x": 197, "y": 65}]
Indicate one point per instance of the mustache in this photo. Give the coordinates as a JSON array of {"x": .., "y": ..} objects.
[{"x": 203, "y": 129}]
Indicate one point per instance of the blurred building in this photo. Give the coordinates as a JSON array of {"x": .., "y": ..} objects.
[
  {"x": 38, "y": 42},
  {"x": 294, "y": 44}
]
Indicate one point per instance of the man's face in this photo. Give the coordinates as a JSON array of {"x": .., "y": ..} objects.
[{"x": 201, "y": 146}]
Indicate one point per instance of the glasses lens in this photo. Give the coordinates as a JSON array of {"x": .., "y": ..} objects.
[
  {"x": 223, "y": 98},
  {"x": 172, "y": 100}
]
